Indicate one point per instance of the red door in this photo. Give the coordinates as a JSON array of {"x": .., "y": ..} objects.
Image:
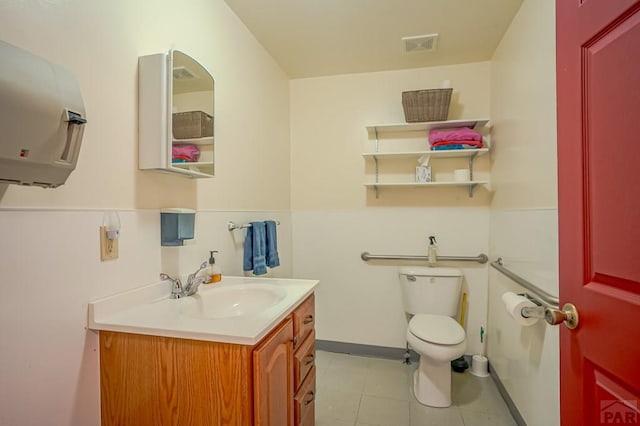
[{"x": 598, "y": 77}]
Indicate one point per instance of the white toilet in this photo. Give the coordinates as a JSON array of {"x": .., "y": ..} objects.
[{"x": 432, "y": 296}]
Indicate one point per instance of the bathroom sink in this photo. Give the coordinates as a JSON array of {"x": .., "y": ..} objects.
[{"x": 227, "y": 301}]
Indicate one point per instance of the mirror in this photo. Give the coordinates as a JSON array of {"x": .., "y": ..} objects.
[{"x": 192, "y": 116}]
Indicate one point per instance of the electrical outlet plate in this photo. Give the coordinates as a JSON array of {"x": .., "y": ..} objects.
[{"x": 108, "y": 248}]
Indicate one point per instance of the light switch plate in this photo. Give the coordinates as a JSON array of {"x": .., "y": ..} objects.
[{"x": 108, "y": 248}]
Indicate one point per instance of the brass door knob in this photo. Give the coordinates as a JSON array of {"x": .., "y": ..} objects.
[{"x": 568, "y": 315}]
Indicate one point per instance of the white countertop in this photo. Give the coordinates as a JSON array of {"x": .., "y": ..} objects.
[{"x": 149, "y": 310}]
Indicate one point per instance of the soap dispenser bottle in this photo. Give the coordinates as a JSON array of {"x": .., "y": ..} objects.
[
  {"x": 214, "y": 272},
  {"x": 433, "y": 251}
]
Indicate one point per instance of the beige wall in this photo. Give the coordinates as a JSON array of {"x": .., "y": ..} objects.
[
  {"x": 523, "y": 111},
  {"x": 335, "y": 218},
  {"x": 50, "y": 263},
  {"x": 100, "y": 43},
  {"x": 523, "y": 224},
  {"x": 328, "y": 136},
  {"x": 49, "y": 260}
]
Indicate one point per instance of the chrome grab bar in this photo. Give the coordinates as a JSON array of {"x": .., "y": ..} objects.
[
  {"x": 548, "y": 299},
  {"x": 481, "y": 258},
  {"x": 548, "y": 306}
]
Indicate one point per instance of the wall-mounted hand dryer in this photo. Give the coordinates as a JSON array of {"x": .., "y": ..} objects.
[{"x": 42, "y": 120}]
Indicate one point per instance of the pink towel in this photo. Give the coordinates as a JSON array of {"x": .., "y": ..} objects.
[
  {"x": 464, "y": 134},
  {"x": 186, "y": 151},
  {"x": 465, "y": 144}
]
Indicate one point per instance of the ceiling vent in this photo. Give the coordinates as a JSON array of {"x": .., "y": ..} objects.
[
  {"x": 423, "y": 43},
  {"x": 183, "y": 73}
]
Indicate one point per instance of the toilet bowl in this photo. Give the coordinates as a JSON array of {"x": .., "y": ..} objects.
[
  {"x": 431, "y": 297},
  {"x": 438, "y": 339}
]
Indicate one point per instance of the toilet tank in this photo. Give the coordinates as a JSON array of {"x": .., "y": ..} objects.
[{"x": 427, "y": 290}]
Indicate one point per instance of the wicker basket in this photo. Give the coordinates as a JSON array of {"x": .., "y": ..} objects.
[
  {"x": 192, "y": 124},
  {"x": 426, "y": 105}
]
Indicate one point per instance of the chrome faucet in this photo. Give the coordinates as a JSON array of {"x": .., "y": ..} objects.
[{"x": 179, "y": 290}]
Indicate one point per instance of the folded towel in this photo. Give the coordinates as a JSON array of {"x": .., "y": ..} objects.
[
  {"x": 181, "y": 159},
  {"x": 189, "y": 152},
  {"x": 447, "y": 147},
  {"x": 465, "y": 144},
  {"x": 255, "y": 248},
  {"x": 272, "y": 244},
  {"x": 247, "y": 258},
  {"x": 464, "y": 134}
]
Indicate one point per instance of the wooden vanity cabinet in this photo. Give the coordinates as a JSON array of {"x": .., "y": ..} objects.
[
  {"x": 304, "y": 347},
  {"x": 303, "y": 321},
  {"x": 153, "y": 380},
  {"x": 304, "y": 401},
  {"x": 273, "y": 378}
]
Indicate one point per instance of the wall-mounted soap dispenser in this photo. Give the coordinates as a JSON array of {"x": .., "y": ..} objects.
[{"x": 176, "y": 225}]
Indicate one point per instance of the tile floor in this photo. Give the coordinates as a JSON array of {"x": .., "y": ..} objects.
[{"x": 362, "y": 391}]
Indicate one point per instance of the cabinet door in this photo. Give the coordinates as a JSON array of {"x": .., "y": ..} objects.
[
  {"x": 273, "y": 378},
  {"x": 176, "y": 115}
]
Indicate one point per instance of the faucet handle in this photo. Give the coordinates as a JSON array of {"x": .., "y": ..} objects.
[
  {"x": 164, "y": 276},
  {"x": 175, "y": 281},
  {"x": 193, "y": 275},
  {"x": 192, "y": 287},
  {"x": 202, "y": 266}
]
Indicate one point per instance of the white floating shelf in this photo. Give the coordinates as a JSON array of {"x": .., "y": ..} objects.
[
  {"x": 426, "y": 184},
  {"x": 470, "y": 185},
  {"x": 196, "y": 164},
  {"x": 196, "y": 141},
  {"x": 451, "y": 153},
  {"x": 193, "y": 170},
  {"x": 428, "y": 125}
]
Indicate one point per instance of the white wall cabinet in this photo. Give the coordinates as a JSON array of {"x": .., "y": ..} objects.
[
  {"x": 169, "y": 85},
  {"x": 384, "y": 135}
]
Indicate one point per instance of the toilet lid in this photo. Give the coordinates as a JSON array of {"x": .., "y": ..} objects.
[{"x": 438, "y": 329}]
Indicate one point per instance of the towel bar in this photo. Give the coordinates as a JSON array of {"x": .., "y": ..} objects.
[{"x": 232, "y": 226}]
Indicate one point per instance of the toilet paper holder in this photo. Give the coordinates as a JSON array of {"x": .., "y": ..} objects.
[
  {"x": 549, "y": 305},
  {"x": 551, "y": 314}
]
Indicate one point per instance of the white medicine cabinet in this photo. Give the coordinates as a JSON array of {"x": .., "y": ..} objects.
[{"x": 176, "y": 115}]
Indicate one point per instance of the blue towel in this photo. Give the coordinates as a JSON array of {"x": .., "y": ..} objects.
[
  {"x": 255, "y": 248},
  {"x": 272, "y": 244},
  {"x": 247, "y": 259},
  {"x": 448, "y": 147},
  {"x": 453, "y": 146}
]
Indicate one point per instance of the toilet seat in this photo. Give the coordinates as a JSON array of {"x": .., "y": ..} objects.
[{"x": 438, "y": 329}]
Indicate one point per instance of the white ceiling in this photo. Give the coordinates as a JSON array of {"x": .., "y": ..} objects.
[{"x": 311, "y": 38}]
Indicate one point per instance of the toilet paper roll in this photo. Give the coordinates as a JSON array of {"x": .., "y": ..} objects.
[
  {"x": 514, "y": 304},
  {"x": 461, "y": 175}
]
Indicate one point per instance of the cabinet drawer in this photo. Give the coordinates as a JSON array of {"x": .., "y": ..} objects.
[
  {"x": 305, "y": 401},
  {"x": 303, "y": 321},
  {"x": 304, "y": 359}
]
